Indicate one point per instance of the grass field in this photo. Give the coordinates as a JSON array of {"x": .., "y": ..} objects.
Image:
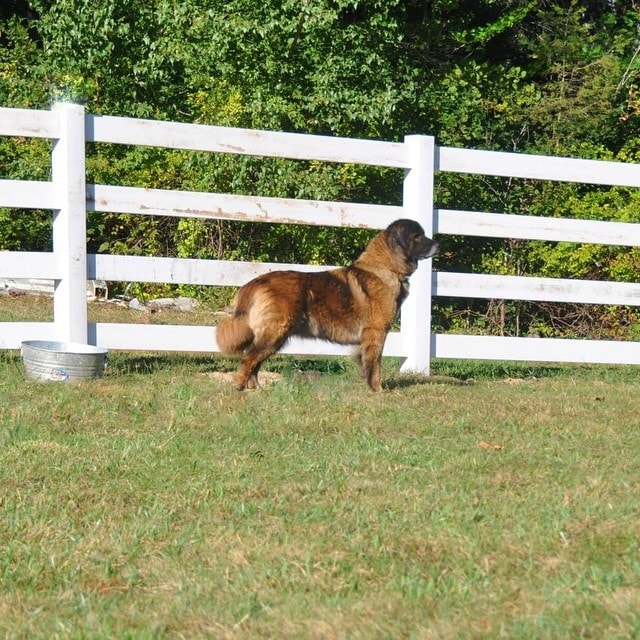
[{"x": 157, "y": 502}]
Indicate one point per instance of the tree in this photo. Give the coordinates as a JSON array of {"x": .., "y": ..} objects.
[{"x": 558, "y": 76}]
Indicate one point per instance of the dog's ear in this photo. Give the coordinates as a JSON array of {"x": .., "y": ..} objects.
[
  {"x": 401, "y": 234},
  {"x": 396, "y": 238}
]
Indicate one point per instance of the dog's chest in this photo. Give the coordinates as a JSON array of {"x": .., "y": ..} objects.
[{"x": 404, "y": 290}]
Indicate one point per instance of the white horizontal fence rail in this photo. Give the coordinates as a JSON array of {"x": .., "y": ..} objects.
[
  {"x": 30, "y": 123},
  {"x": 173, "y": 135},
  {"x": 221, "y": 206},
  {"x": 476, "y": 285},
  {"x": 69, "y": 198},
  {"x": 523, "y": 165},
  {"x": 27, "y": 194},
  {"x": 523, "y": 227}
]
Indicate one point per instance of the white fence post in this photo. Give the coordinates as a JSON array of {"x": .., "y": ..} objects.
[
  {"x": 418, "y": 205},
  {"x": 69, "y": 225}
]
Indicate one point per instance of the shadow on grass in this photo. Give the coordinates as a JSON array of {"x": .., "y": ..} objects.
[
  {"x": 490, "y": 370},
  {"x": 149, "y": 363},
  {"x": 450, "y": 372},
  {"x": 404, "y": 381}
]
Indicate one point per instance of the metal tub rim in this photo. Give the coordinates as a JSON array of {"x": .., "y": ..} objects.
[{"x": 62, "y": 361}]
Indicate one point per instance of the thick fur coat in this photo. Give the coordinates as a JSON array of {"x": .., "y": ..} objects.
[{"x": 354, "y": 305}]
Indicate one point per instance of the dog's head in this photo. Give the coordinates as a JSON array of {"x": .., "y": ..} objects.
[{"x": 408, "y": 238}]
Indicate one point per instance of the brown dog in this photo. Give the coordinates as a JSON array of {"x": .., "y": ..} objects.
[{"x": 350, "y": 305}]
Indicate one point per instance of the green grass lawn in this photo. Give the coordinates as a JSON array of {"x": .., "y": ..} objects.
[{"x": 157, "y": 502}]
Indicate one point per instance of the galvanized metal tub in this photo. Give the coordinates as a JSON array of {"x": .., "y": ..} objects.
[{"x": 62, "y": 361}]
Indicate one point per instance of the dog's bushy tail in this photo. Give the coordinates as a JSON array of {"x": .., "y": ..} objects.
[{"x": 234, "y": 335}]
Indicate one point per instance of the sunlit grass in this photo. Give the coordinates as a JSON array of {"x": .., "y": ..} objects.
[{"x": 494, "y": 500}]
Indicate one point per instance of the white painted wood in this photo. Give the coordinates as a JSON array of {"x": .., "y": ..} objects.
[
  {"x": 536, "y": 349},
  {"x": 522, "y": 165},
  {"x": 394, "y": 346},
  {"x": 418, "y": 205},
  {"x": 12, "y": 334},
  {"x": 147, "y": 337},
  {"x": 225, "y": 273},
  {"x": 144, "y": 337},
  {"x": 475, "y": 285},
  {"x": 28, "y": 194},
  {"x": 525, "y": 227},
  {"x": 176, "y": 135},
  {"x": 220, "y": 206},
  {"x": 69, "y": 225},
  {"x": 28, "y": 264},
  {"x": 30, "y": 123}
]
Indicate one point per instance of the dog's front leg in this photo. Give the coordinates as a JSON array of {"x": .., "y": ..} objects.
[{"x": 371, "y": 347}]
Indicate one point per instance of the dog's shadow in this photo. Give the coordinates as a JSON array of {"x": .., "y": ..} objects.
[{"x": 405, "y": 381}]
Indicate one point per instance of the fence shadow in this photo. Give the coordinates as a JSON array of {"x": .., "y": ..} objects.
[{"x": 406, "y": 380}]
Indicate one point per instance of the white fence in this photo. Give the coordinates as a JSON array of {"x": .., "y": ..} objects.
[{"x": 68, "y": 195}]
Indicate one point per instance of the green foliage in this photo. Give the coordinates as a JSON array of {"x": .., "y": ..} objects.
[
  {"x": 24, "y": 159},
  {"x": 575, "y": 111},
  {"x": 516, "y": 75},
  {"x": 24, "y": 230}
]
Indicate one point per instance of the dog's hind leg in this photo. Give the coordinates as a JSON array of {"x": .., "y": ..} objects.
[
  {"x": 247, "y": 377},
  {"x": 258, "y": 352}
]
